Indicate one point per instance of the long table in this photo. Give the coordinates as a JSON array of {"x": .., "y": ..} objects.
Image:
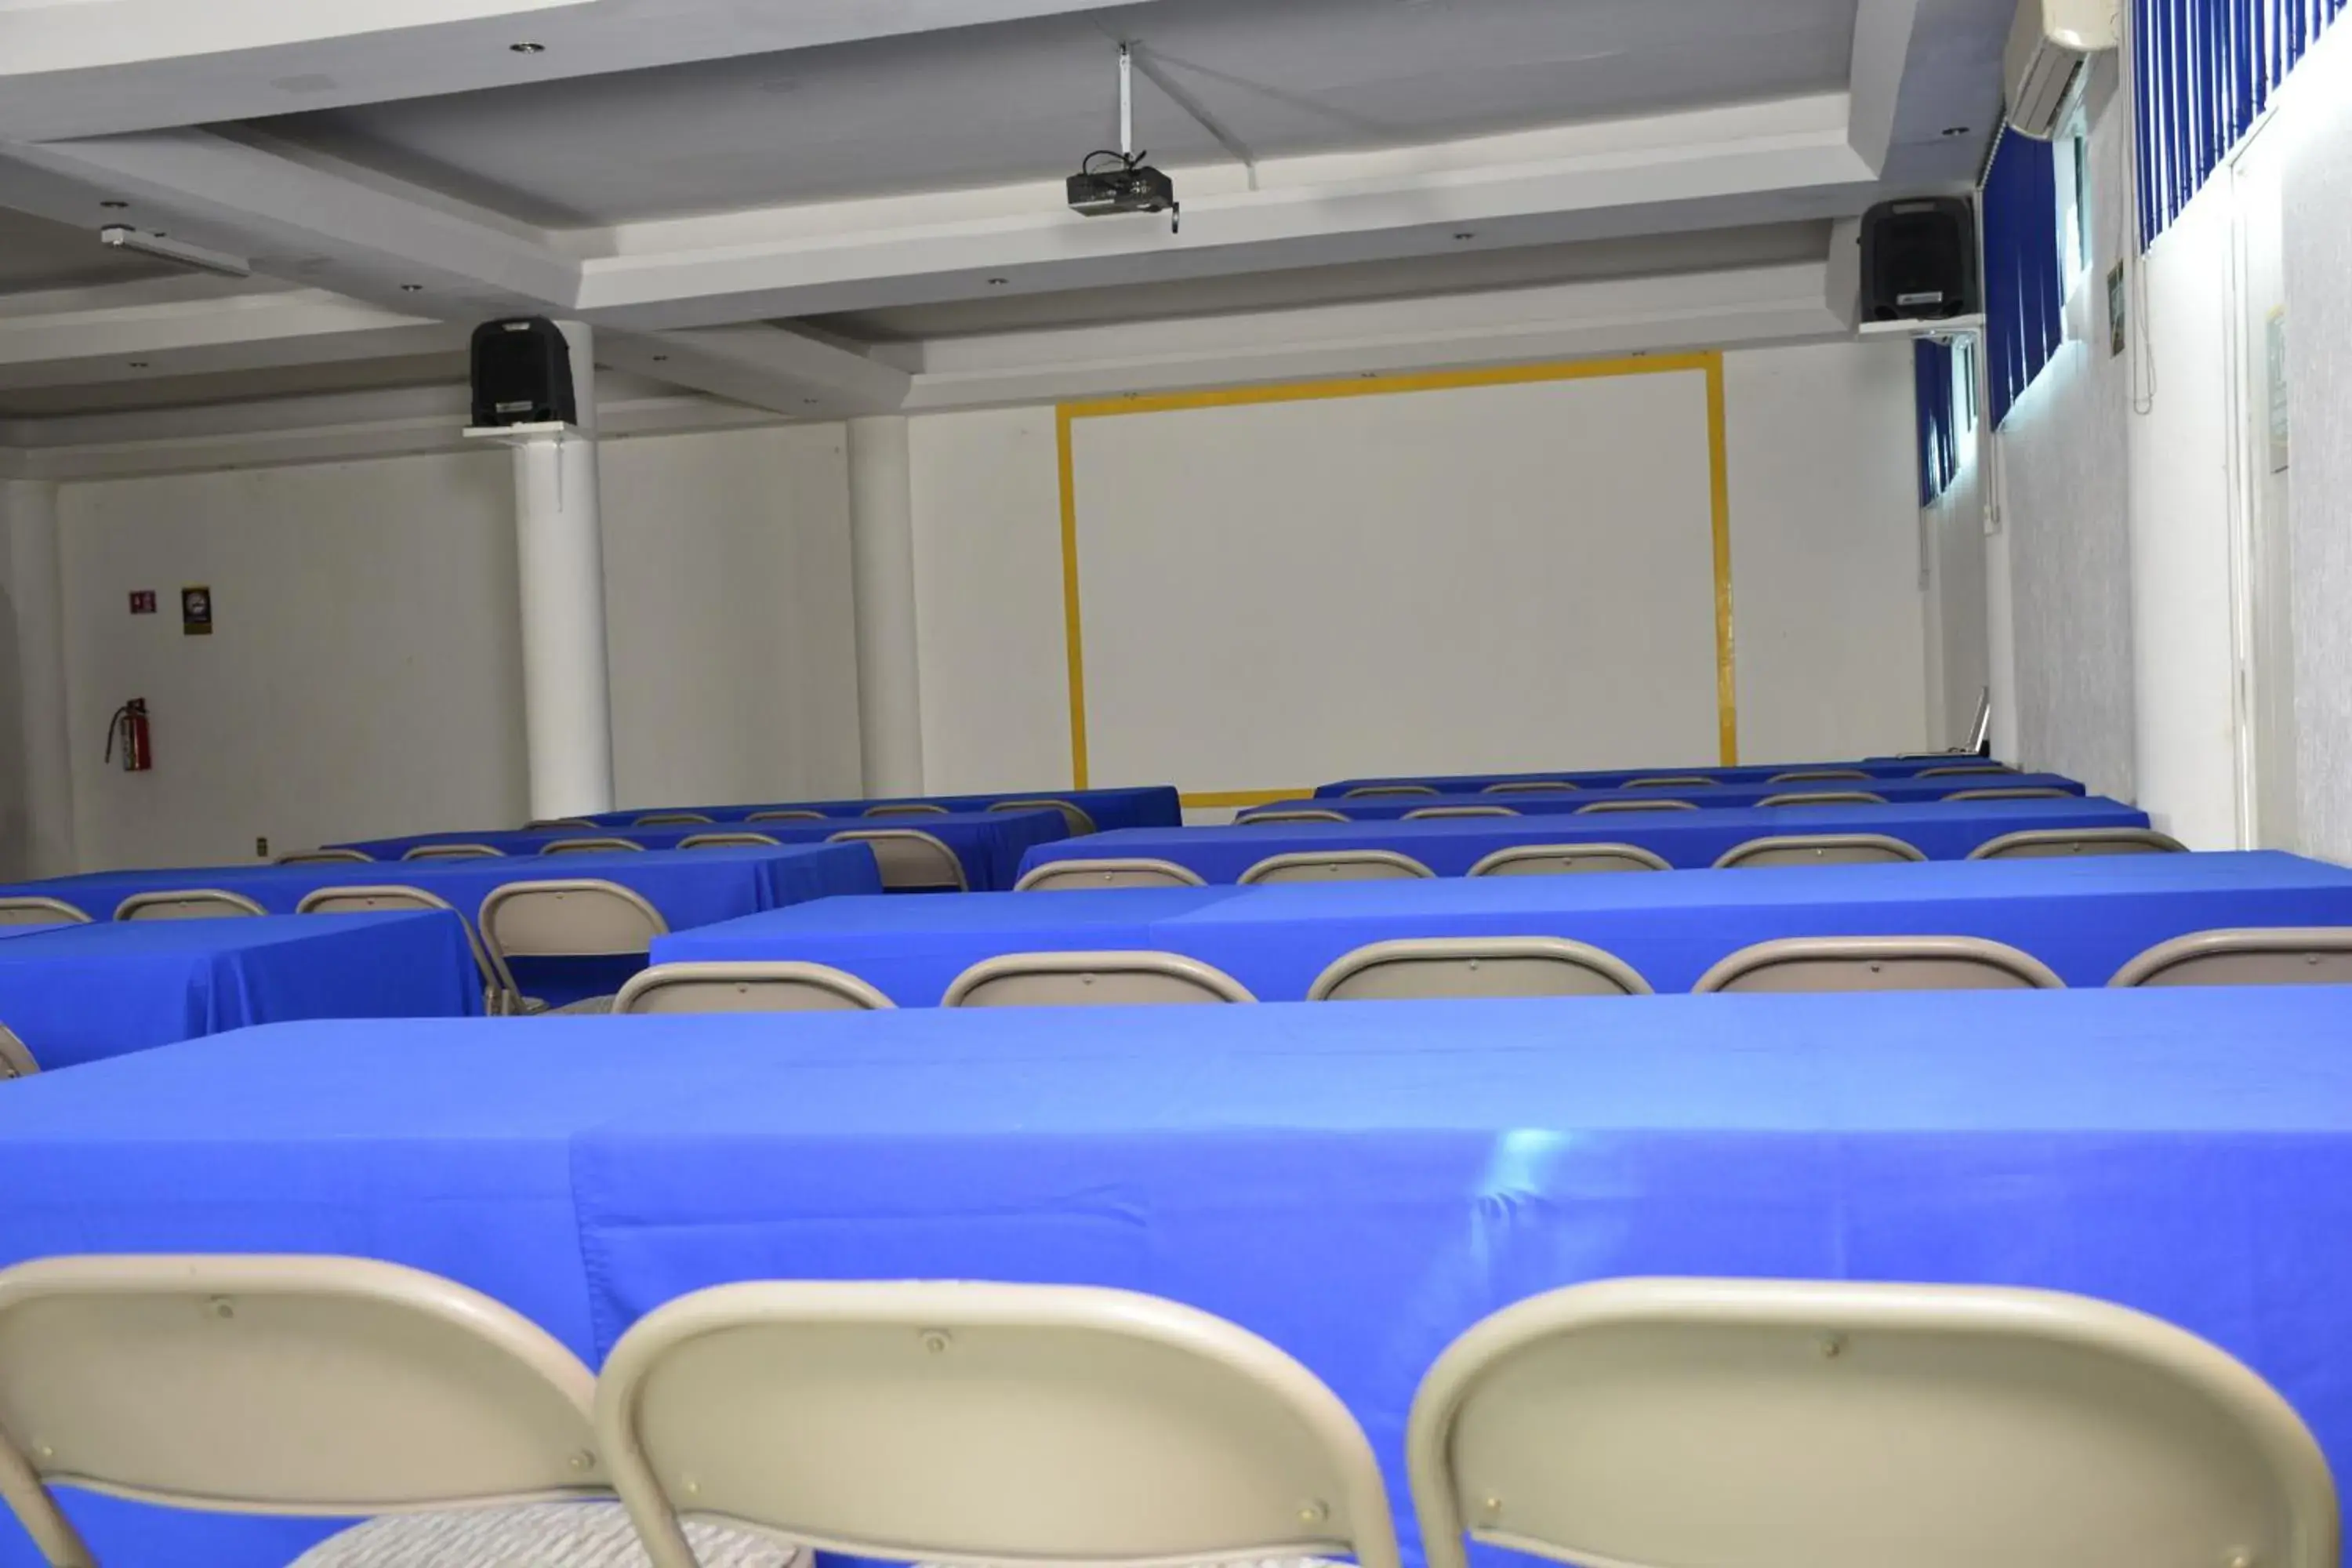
[
  {"x": 2082, "y": 917},
  {"x": 79, "y": 993},
  {"x": 1142, "y": 805},
  {"x": 1357, "y": 1183},
  {"x": 1941, "y": 830},
  {"x": 1613, "y": 778},
  {"x": 688, "y": 887},
  {"x": 1708, "y": 797},
  {"x": 990, "y": 844}
]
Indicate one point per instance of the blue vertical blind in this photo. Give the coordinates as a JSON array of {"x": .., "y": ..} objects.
[
  {"x": 2206, "y": 68},
  {"x": 2025, "y": 301},
  {"x": 1939, "y": 438}
]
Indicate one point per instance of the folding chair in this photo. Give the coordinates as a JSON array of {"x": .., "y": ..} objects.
[
  {"x": 1075, "y": 815},
  {"x": 187, "y": 904},
  {"x": 1079, "y": 876},
  {"x": 788, "y": 813},
  {"x": 2256, "y": 955},
  {"x": 593, "y": 846},
  {"x": 909, "y": 859},
  {"x": 1824, "y": 797},
  {"x": 1337, "y": 866},
  {"x": 2013, "y": 792},
  {"x": 39, "y": 909},
  {"x": 1291, "y": 813},
  {"x": 361, "y": 900},
  {"x": 907, "y": 808},
  {"x": 322, "y": 857},
  {"x": 1121, "y": 979},
  {"x": 1880, "y": 963},
  {"x": 730, "y": 841},
  {"x": 2056, "y": 843},
  {"x": 1529, "y": 786},
  {"x": 748, "y": 987},
  {"x": 454, "y": 852},
  {"x": 1462, "y": 966},
  {"x": 1564, "y": 859},
  {"x": 571, "y": 918},
  {"x": 674, "y": 820},
  {"x": 1600, "y": 805},
  {"x": 1817, "y": 775},
  {"x": 1424, "y": 812},
  {"x": 1370, "y": 792},
  {"x": 16, "y": 1056},
  {"x": 1819, "y": 849}
]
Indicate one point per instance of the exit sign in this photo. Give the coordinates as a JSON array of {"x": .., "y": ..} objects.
[{"x": 142, "y": 601}]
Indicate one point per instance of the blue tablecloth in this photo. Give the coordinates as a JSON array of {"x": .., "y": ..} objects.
[
  {"x": 1450, "y": 846},
  {"x": 1144, "y": 806},
  {"x": 1710, "y": 797},
  {"x": 1357, "y": 1183},
  {"x": 82, "y": 994},
  {"x": 989, "y": 842},
  {"x": 1612, "y": 778},
  {"x": 2082, "y": 917},
  {"x": 689, "y": 887}
]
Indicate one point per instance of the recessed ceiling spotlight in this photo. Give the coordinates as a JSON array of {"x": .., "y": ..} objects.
[
  {"x": 114, "y": 207},
  {"x": 136, "y": 364},
  {"x": 998, "y": 282},
  {"x": 1465, "y": 234},
  {"x": 1956, "y": 130},
  {"x": 527, "y": 48},
  {"x": 809, "y": 400},
  {"x": 411, "y": 287},
  {"x": 660, "y": 359}
]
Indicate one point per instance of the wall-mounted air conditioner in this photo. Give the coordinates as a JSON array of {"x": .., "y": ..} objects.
[{"x": 2050, "y": 47}]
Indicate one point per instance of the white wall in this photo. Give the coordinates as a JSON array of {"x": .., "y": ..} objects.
[
  {"x": 1960, "y": 638},
  {"x": 1825, "y": 571},
  {"x": 364, "y": 678}
]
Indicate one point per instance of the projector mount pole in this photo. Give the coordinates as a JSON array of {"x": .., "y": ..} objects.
[{"x": 1126, "y": 105}]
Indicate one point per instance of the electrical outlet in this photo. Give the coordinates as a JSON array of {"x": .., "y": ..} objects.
[{"x": 261, "y": 848}]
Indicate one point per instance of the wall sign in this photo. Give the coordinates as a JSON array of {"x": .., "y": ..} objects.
[
  {"x": 2115, "y": 310},
  {"x": 142, "y": 601},
  {"x": 2275, "y": 354},
  {"x": 197, "y": 611}
]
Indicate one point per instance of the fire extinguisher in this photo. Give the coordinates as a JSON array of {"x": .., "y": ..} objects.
[{"x": 129, "y": 726}]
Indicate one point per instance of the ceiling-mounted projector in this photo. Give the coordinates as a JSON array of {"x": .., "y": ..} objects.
[{"x": 1121, "y": 182}]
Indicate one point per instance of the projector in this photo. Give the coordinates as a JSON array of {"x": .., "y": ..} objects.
[{"x": 1123, "y": 187}]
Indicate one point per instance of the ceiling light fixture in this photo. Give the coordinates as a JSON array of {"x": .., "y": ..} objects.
[
  {"x": 998, "y": 282},
  {"x": 411, "y": 287},
  {"x": 121, "y": 236},
  {"x": 114, "y": 207},
  {"x": 1465, "y": 234},
  {"x": 660, "y": 359},
  {"x": 1955, "y": 131},
  {"x": 136, "y": 364},
  {"x": 527, "y": 48}
]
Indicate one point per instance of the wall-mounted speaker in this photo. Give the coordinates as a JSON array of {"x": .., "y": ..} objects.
[
  {"x": 1919, "y": 260},
  {"x": 522, "y": 373}
]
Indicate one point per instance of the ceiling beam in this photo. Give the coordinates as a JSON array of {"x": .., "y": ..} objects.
[
  {"x": 1881, "y": 52},
  {"x": 104, "y": 67}
]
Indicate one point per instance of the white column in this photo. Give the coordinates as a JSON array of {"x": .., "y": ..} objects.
[
  {"x": 882, "y": 529},
  {"x": 559, "y": 543},
  {"x": 35, "y": 594}
]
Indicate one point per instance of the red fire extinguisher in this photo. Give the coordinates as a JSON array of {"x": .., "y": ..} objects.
[{"x": 129, "y": 727}]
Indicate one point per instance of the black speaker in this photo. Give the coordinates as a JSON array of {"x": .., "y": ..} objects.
[
  {"x": 522, "y": 373},
  {"x": 1919, "y": 260}
]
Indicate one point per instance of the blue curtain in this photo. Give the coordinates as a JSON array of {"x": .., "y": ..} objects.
[
  {"x": 2024, "y": 302},
  {"x": 2206, "y": 69},
  {"x": 1939, "y": 447}
]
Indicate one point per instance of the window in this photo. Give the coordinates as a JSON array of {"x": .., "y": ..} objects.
[
  {"x": 2070, "y": 157},
  {"x": 1964, "y": 390}
]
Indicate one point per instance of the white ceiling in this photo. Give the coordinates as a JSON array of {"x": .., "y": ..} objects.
[
  {"x": 978, "y": 106},
  {"x": 232, "y": 386},
  {"x": 38, "y": 254}
]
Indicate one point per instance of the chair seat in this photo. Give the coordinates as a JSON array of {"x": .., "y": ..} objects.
[
  {"x": 534, "y": 1535},
  {"x": 585, "y": 1004}
]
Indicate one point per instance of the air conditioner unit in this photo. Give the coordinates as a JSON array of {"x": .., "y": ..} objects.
[{"x": 2050, "y": 47}]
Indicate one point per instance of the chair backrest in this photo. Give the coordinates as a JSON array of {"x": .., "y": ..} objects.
[
  {"x": 1818, "y": 849},
  {"x": 747, "y": 987},
  {"x": 1880, "y": 963},
  {"x": 1817, "y": 775},
  {"x": 1772, "y": 1423},
  {"x": 1080, "y": 823},
  {"x": 2013, "y": 792},
  {"x": 1421, "y": 813},
  {"x": 1558, "y": 859},
  {"x": 16, "y": 1057},
  {"x": 729, "y": 840},
  {"x": 1529, "y": 786},
  {"x": 907, "y": 808},
  {"x": 566, "y": 917},
  {"x": 1005, "y": 1424},
  {"x": 39, "y": 909},
  {"x": 322, "y": 857},
  {"x": 1079, "y": 876},
  {"x": 1671, "y": 781},
  {"x": 1636, "y": 806},
  {"x": 674, "y": 820},
  {"x": 1337, "y": 866},
  {"x": 908, "y": 858},
  {"x": 1417, "y": 967},
  {"x": 540, "y": 823},
  {"x": 187, "y": 904},
  {"x": 364, "y": 900},
  {"x": 1960, "y": 770},
  {"x": 787, "y": 813},
  {"x": 279, "y": 1384},
  {"x": 1291, "y": 813},
  {"x": 2257, "y": 955},
  {"x": 1824, "y": 797},
  {"x": 454, "y": 852},
  {"x": 1091, "y": 980},
  {"x": 2056, "y": 843},
  {"x": 1369, "y": 792},
  {"x": 592, "y": 847}
]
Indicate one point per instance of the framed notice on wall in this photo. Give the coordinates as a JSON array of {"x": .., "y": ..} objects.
[
  {"x": 197, "y": 611},
  {"x": 2274, "y": 364}
]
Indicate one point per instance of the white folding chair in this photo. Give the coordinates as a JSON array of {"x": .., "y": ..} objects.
[
  {"x": 567, "y": 918},
  {"x": 1817, "y": 775},
  {"x": 1566, "y": 860},
  {"x": 777, "y": 986},
  {"x": 909, "y": 859},
  {"x": 361, "y": 900},
  {"x": 1424, "y": 812},
  {"x": 1337, "y": 866},
  {"x": 1824, "y": 797},
  {"x": 1786, "y": 1424},
  {"x": 39, "y": 909},
  {"x": 1080, "y": 876},
  {"x": 2254, "y": 955},
  {"x": 187, "y": 904},
  {"x": 1024, "y": 1426},
  {"x": 2013, "y": 792},
  {"x": 16, "y": 1056},
  {"x": 2057, "y": 843},
  {"x": 1962, "y": 770},
  {"x": 1412, "y": 968},
  {"x": 788, "y": 813},
  {"x": 1880, "y": 963},
  {"x": 1370, "y": 792},
  {"x": 1529, "y": 786},
  {"x": 1291, "y": 813},
  {"x": 1600, "y": 805},
  {"x": 1080, "y": 823},
  {"x": 322, "y": 857},
  {"x": 1671, "y": 781},
  {"x": 730, "y": 841},
  {"x": 307, "y": 1385},
  {"x": 674, "y": 820},
  {"x": 1122, "y": 979},
  {"x": 907, "y": 808},
  {"x": 1818, "y": 849},
  {"x": 539, "y": 824},
  {"x": 454, "y": 852},
  {"x": 593, "y": 846}
]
